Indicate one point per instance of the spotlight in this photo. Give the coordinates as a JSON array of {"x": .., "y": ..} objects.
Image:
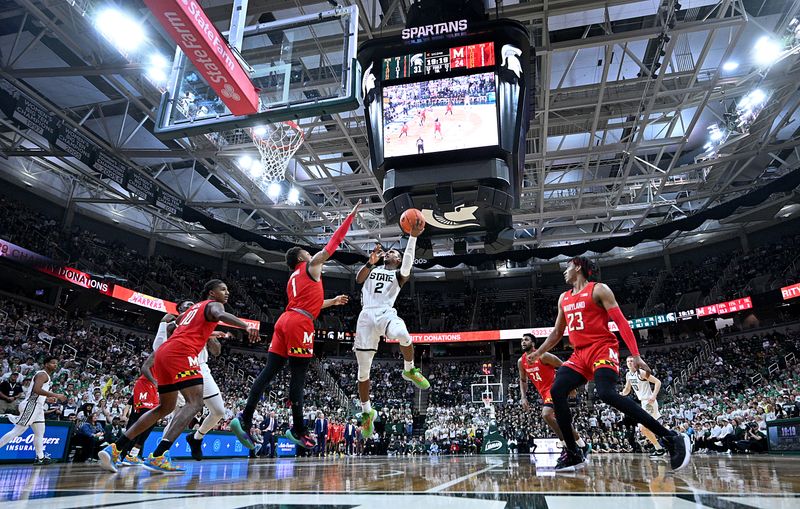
[
  {"x": 119, "y": 28},
  {"x": 767, "y": 50},
  {"x": 730, "y": 65},
  {"x": 157, "y": 75},
  {"x": 294, "y": 196},
  {"x": 274, "y": 191},
  {"x": 246, "y": 162},
  {"x": 260, "y": 130},
  {"x": 255, "y": 170},
  {"x": 716, "y": 135}
]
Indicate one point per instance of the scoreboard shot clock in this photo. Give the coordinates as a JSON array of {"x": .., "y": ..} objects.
[{"x": 447, "y": 108}]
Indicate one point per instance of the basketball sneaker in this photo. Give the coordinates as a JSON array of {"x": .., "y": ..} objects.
[
  {"x": 680, "y": 449},
  {"x": 657, "y": 453},
  {"x": 109, "y": 457},
  {"x": 570, "y": 461},
  {"x": 196, "y": 444},
  {"x": 305, "y": 440},
  {"x": 241, "y": 429},
  {"x": 131, "y": 461},
  {"x": 45, "y": 460},
  {"x": 162, "y": 464},
  {"x": 415, "y": 376},
  {"x": 368, "y": 423}
]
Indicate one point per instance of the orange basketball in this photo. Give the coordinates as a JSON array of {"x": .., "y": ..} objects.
[{"x": 409, "y": 218}]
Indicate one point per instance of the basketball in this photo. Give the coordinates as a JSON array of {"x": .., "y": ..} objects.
[{"x": 410, "y": 218}]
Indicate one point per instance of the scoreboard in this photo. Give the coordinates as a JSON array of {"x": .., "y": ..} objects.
[{"x": 446, "y": 117}]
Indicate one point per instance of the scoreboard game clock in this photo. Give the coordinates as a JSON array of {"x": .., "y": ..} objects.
[
  {"x": 784, "y": 436},
  {"x": 447, "y": 108}
]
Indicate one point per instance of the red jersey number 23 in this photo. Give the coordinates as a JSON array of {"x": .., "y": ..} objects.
[{"x": 575, "y": 321}]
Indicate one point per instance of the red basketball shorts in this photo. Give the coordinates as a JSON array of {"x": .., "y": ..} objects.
[
  {"x": 145, "y": 395},
  {"x": 586, "y": 360},
  {"x": 176, "y": 367},
  {"x": 547, "y": 400},
  {"x": 293, "y": 336}
]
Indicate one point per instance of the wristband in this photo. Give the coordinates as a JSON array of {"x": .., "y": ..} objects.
[{"x": 370, "y": 265}]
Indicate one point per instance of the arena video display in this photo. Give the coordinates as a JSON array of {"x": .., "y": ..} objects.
[{"x": 440, "y": 115}]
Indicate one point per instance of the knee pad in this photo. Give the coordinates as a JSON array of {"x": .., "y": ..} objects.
[
  {"x": 364, "y": 358},
  {"x": 397, "y": 330}
]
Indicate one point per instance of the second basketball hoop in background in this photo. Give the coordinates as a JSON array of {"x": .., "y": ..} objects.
[{"x": 410, "y": 218}]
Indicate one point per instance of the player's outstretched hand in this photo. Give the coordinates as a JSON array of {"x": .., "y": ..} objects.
[
  {"x": 418, "y": 228},
  {"x": 640, "y": 364},
  {"x": 355, "y": 209},
  {"x": 525, "y": 404},
  {"x": 61, "y": 397},
  {"x": 341, "y": 300},
  {"x": 252, "y": 333},
  {"x": 376, "y": 254}
]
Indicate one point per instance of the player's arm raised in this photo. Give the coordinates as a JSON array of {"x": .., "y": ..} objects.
[
  {"x": 339, "y": 300},
  {"x": 215, "y": 312},
  {"x": 554, "y": 337},
  {"x": 605, "y": 297},
  {"x": 523, "y": 385},
  {"x": 315, "y": 266},
  {"x": 411, "y": 249},
  {"x": 374, "y": 257}
]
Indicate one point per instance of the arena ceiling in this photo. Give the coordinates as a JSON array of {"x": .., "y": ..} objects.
[{"x": 616, "y": 143}]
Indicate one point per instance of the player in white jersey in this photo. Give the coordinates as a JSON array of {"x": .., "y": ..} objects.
[
  {"x": 379, "y": 318},
  {"x": 31, "y": 410},
  {"x": 639, "y": 382},
  {"x": 211, "y": 396}
]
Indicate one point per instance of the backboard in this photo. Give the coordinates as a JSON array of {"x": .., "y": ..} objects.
[
  {"x": 302, "y": 67},
  {"x": 478, "y": 391}
]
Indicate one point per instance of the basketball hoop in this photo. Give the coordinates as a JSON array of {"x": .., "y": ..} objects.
[
  {"x": 276, "y": 144},
  {"x": 487, "y": 399}
]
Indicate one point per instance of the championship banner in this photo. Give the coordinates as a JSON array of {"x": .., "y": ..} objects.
[
  {"x": 196, "y": 36},
  {"x": 791, "y": 292}
]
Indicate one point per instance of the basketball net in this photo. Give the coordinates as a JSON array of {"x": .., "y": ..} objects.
[
  {"x": 487, "y": 400},
  {"x": 277, "y": 144}
]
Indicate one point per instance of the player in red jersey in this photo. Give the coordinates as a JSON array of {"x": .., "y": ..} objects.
[
  {"x": 437, "y": 128},
  {"x": 404, "y": 130},
  {"x": 177, "y": 370},
  {"x": 449, "y": 107},
  {"x": 542, "y": 373},
  {"x": 293, "y": 339},
  {"x": 584, "y": 312}
]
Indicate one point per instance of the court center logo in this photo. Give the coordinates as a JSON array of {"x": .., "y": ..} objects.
[{"x": 461, "y": 217}]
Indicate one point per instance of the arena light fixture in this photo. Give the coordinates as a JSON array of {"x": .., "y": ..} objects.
[
  {"x": 122, "y": 30},
  {"x": 260, "y": 130},
  {"x": 274, "y": 191},
  {"x": 294, "y": 196},
  {"x": 246, "y": 162},
  {"x": 159, "y": 65},
  {"x": 767, "y": 51},
  {"x": 730, "y": 65}
]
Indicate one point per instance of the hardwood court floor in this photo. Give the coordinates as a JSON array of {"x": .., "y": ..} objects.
[{"x": 610, "y": 481}]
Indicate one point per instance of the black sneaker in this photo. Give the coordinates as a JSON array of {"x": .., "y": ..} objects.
[
  {"x": 196, "y": 444},
  {"x": 658, "y": 453},
  {"x": 586, "y": 450},
  {"x": 680, "y": 449},
  {"x": 570, "y": 461},
  {"x": 42, "y": 461}
]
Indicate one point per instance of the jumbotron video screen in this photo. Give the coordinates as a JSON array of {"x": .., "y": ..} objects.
[{"x": 440, "y": 115}]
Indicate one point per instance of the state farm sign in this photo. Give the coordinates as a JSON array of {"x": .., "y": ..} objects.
[{"x": 188, "y": 25}]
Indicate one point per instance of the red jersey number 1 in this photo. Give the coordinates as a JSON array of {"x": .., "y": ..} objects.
[{"x": 294, "y": 285}]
